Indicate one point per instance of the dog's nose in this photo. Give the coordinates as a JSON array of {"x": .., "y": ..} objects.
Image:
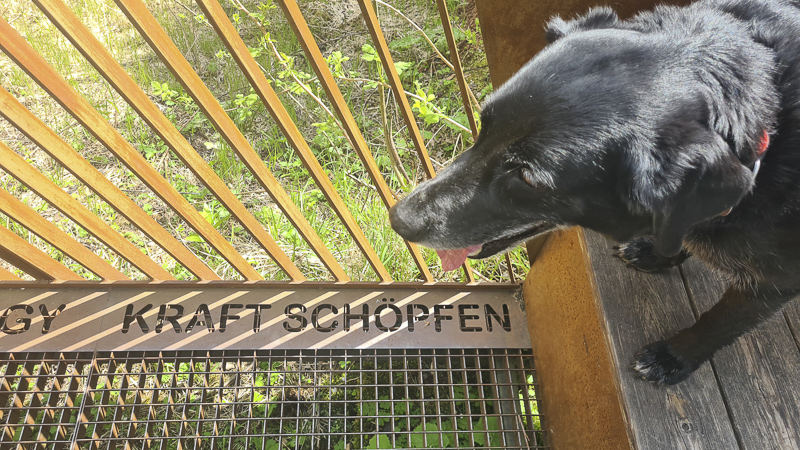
[{"x": 406, "y": 224}]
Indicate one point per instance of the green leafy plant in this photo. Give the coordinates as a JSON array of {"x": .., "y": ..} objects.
[
  {"x": 216, "y": 215},
  {"x": 424, "y": 107},
  {"x": 418, "y": 48}
]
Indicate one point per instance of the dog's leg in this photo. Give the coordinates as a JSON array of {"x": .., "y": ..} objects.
[
  {"x": 640, "y": 254},
  {"x": 672, "y": 360}
]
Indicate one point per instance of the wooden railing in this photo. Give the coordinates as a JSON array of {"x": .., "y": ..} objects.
[{"x": 29, "y": 259}]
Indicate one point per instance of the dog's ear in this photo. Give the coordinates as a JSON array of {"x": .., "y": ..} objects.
[
  {"x": 690, "y": 176},
  {"x": 555, "y": 29},
  {"x": 596, "y": 18}
]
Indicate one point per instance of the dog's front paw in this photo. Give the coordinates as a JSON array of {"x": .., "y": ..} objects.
[
  {"x": 659, "y": 363},
  {"x": 640, "y": 254}
]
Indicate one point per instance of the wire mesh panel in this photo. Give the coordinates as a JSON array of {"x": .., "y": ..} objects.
[{"x": 279, "y": 399}]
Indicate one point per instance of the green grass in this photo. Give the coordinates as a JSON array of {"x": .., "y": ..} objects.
[
  {"x": 355, "y": 403},
  {"x": 342, "y": 36}
]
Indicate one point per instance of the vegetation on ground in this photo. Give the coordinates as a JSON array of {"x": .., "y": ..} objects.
[
  {"x": 413, "y": 30},
  {"x": 336, "y": 402}
]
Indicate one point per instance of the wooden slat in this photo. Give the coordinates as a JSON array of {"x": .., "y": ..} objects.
[
  {"x": 637, "y": 309},
  {"x": 758, "y": 373},
  {"x": 54, "y": 236},
  {"x": 317, "y": 61},
  {"x": 399, "y": 94},
  {"x": 169, "y": 54},
  {"x": 792, "y": 313},
  {"x": 7, "y": 275},
  {"x": 456, "y": 61},
  {"x": 32, "y": 127},
  {"x": 37, "y": 68},
  {"x": 248, "y": 65},
  {"x": 51, "y": 193},
  {"x": 397, "y": 86},
  {"x": 35, "y": 262},
  {"x": 69, "y": 25}
]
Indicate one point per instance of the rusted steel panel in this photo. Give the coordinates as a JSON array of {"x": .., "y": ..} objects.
[
  {"x": 32, "y": 127},
  {"x": 203, "y": 316},
  {"x": 52, "y": 194},
  {"x": 513, "y": 30},
  {"x": 112, "y": 71},
  {"x": 570, "y": 348},
  {"x": 35, "y": 262},
  {"x": 238, "y": 50},
  {"x": 53, "y": 235},
  {"x": 169, "y": 54},
  {"x": 317, "y": 61},
  {"x": 34, "y": 65}
]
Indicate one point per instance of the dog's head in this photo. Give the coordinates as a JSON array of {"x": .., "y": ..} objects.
[{"x": 610, "y": 128}]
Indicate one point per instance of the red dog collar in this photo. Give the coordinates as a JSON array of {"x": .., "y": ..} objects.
[{"x": 762, "y": 148}]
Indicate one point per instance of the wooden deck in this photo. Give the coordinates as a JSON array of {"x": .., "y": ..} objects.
[{"x": 748, "y": 397}]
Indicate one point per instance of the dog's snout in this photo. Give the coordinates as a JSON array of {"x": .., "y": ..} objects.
[{"x": 407, "y": 224}]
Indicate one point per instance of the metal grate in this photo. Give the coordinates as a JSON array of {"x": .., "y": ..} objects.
[{"x": 277, "y": 399}]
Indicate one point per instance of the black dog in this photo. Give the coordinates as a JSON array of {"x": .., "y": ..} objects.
[{"x": 655, "y": 126}]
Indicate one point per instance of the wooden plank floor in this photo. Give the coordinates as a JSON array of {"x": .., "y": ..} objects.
[{"x": 748, "y": 397}]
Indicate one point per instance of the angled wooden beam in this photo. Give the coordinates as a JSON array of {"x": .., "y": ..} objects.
[
  {"x": 29, "y": 259},
  {"x": 248, "y": 65},
  {"x": 32, "y": 127},
  {"x": 51, "y": 81},
  {"x": 38, "y": 225},
  {"x": 51, "y": 193},
  {"x": 317, "y": 61},
  {"x": 168, "y": 53},
  {"x": 77, "y": 33},
  {"x": 7, "y": 275}
]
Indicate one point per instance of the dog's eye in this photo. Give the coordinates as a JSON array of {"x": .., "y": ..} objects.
[{"x": 527, "y": 176}]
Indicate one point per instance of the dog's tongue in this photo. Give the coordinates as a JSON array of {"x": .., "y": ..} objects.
[{"x": 453, "y": 259}]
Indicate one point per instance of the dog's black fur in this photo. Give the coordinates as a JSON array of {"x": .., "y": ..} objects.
[{"x": 645, "y": 127}]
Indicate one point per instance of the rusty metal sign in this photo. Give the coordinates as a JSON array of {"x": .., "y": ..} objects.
[{"x": 202, "y": 316}]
